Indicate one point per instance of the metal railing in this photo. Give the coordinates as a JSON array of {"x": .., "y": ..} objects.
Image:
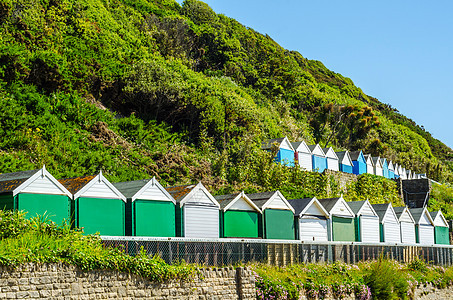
[{"x": 221, "y": 252}]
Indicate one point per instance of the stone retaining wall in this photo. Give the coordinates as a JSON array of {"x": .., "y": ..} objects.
[{"x": 59, "y": 281}]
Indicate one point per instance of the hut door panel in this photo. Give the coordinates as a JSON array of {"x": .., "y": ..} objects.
[
  {"x": 407, "y": 233},
  {"x": 201, "y": 221},
  {"x": 279, "y": 224},
  {"x": 154, "y": 218},
  {"x": 240, "y": 224},
  {"x": 105, "y": 216},
  {"x": 442, "y": 236},
  {"x": 312, "y": 230},
  {"x": 392, "y": 232},
  {"x": 54, "y": 207},
  {"x": 369, "y": 227},
  {"x": 305, "y": 161},
  {"x": 426, "y": 234},
  {"x": 343, "y": 229}
]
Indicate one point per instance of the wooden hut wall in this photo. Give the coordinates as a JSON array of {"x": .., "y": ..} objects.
[
  {"x": 302, "y": 155},
  {"x": 359, "y": 164},
  {"x": 240, "y": 220},
  {"x": 100, "y": 208}
]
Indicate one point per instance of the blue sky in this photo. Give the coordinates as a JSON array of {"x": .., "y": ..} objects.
[{"x": 400, "y": 52}]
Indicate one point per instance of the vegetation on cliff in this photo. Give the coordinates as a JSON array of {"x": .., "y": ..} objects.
[{"x": 155, "y": 88}]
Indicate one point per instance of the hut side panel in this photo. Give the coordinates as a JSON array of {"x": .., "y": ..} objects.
[
  {"x": 313, "y": 229},
  {"x": 109, "y": 222},
  {"x": 240, "y": 224},
  {"x": 154, "y": 218},
  {"x": 7, "y": 202},
  {"x": 55, "y": 207},
  {"x": 279, "y": 224}
]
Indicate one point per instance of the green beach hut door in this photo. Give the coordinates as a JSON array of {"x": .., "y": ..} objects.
[{"x": 441, "y": 229}]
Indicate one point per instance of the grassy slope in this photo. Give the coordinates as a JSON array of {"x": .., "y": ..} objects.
[{"x": 190, "y": 96}]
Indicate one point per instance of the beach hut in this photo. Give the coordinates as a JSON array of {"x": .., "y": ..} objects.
[
  {"x": 397, "y": 171},
  {"x": 344, "y": 161},
  {"x": 332, "y": 159},
  {"x": 319, "y": 160},
  {"x": 37, "y": 192},
  {"x": 385, "y": 167},
  {"x": 403, "y": 173},
  {"x": 391, "y": 170},
  {"x": 311, "y": 219},
  {"x": 366, "y": 222},
  {"x": 98, "y": 206},
  {"x": 407, "y": 225},
  {"x": 424, "y": 226},
  {"x": 302, "y": 155},
  {"x": 341, "y": 219},
  {"x": 150, "y": 210},
  {"x": 239, "y": 216},
  {"x": 359, "y": 162},
  {"x": 409, "y": 174},
  {"x": 441, "y": 228},
  {"x": 197, "y": 211},
  {"x": 377, "y": 166},
  {"x": 284, "y": 149},
  {"x": 277, "y": 215},
  {"x": 369, "y": 164},
  {"x": 390, "y": 227}
]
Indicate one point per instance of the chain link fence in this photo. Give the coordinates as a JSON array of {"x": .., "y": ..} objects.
[{"x": 222, "y": 252}]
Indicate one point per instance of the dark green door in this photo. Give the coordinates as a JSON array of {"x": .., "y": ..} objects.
[
  {"x": 343, "y": 229},
  {"x": 55, "y": 207},
  {"x": 279, "y": 224},
  {"x": 154, "y": 218},
  {"x": 105, "y": 216},
  {"x": 240, "y": 224},
  {"x": 441, "y": 235}
]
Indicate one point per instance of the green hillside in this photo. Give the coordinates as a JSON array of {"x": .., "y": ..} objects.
[{"x": 153, "y": 88}]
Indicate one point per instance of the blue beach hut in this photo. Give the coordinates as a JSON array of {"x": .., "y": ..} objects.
[
  {"x": 385, "y": 167},
  {"x": 391, "y": 170},
  {"x": 284, "y": 149},
  {"x": 344, "y": 161},
  {"x": 359, "y": 162},
  {"x": 318, "y": 157}
]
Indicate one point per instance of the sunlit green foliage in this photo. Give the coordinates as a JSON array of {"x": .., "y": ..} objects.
[{"x": 155, "y": 88}]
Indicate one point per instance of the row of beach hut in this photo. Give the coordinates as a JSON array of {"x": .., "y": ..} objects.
[
  {"x": 146, "y": 208},
  {"x": 315, "y": 158}
]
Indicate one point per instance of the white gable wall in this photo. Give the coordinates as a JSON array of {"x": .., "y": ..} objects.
[
  {"x": 405, "y": 217},
  {"x": 439, "y": 221},
  {"x": 367, "y": 210},
  {"x": 199, "y": 198},
  {"x": 286, "y": 145},
  {"x": 42, "y": 185},
  {"x": 318, "y": 151},
  {"x": 346, "y": 161},
  {"x": 153, "y": 193},
  {"x": 99, "y": 189},
  {"x": 424, "y": 220},
  {"x": 341, "y": 209},
  {"x": 314, "y": 210},
  {"x": 241, "y": 204},
  {"x": 277, "y": 203}
]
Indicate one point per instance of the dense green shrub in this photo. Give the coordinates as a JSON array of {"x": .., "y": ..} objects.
[{"x": 39, "y": 240}]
